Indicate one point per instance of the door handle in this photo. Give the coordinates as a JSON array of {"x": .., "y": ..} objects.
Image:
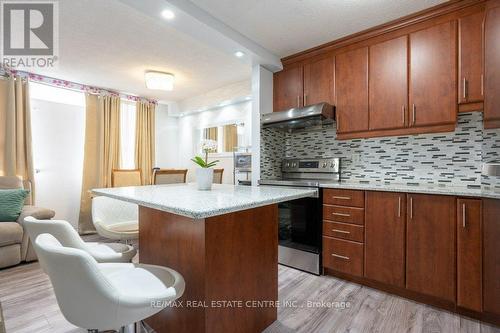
[
  {"x": 411, "y": 208},
  {"x": 305, "y": 99},
  {"x": 414, "y": 111},
  {"x": 341, "y": 214},
  {"x": 403, "y": 112},
  {"x": 464, "y": 216},
  {"x": 342, "y": 198},
  {"x": 482, "y": 85},
  {"x": 399, "y": 207},
  {"x": 464, "y": 83},
  {"x": 298, "y": 101},
  {"x": 339, "y": 256},
  {"x": 341, "y": 231}
]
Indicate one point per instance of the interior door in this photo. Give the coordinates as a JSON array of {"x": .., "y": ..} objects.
[
  {"x": 351, "y": 90},
  {"x": 492, "y": 67},
  {"x": 288, "y": 89},
  {"x": 388, "y": 78},
  {"x": 433, "y": 75},
  {"x": 318, "y": 81},
  {"x": 430, "y": 245}
]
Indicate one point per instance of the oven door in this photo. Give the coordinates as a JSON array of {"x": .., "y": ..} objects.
[{"x": 299, "y": 233}]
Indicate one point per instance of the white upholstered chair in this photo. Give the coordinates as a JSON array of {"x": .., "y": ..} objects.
[
  {"x": 68, "y": 237},
  {"x": 108, "y": 296},
  {"x": 115, "y": 219}
]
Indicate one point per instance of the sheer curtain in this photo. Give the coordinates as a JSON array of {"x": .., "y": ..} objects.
[{"x": 127, "y": 134}]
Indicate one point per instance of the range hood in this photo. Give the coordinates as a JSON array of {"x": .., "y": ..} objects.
[{"x": 312, "y": 116}]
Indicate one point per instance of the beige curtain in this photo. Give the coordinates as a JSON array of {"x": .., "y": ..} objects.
[
  {"x": 210, "y": 133},
  {"x": 145, "y": 140},
  {"x": 101, "y": 151},
  {"x": 230, "y": 137},
  {"x": 109, "y": 120},
  {"x": 16, "y": 155}
]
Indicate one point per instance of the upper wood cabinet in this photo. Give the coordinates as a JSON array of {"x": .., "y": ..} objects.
[
  {"x": 433, "y": 73},
  {"x": 469, "y": 258},
  {"x": 492, "y": 67},
  {"x": 470, "y": 61},
  {"x": 351, "y": 90},
  {"x": 388, "y": 84},
  {"x": 304, "y": 85},
  {"x": 430, "y": 245},
  {"x": 318, "y": 81},
  {"x": 385, "y": 237},
  {"x": 288, "y": 88}
]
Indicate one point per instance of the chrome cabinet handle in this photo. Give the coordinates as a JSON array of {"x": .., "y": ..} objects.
[
  {"x": 342, "y": 198},
  {"x": 339, "y": 256},
  {"x": 464, "y": 222},
  {"x": 341, "y": 231},
  {"x": 298, "y": 101},
  {"x": 399, "y": 207},
  {"x": 305, "y": 99},
  {"x": 411, "y": 208},
  {"x": 341, "y": 214},
  {"x": 464, "y": 88},
  {"x": 414, "y": 111},
  {"x": 482, "y": 85},
  {"x": 403, "y": 112}
]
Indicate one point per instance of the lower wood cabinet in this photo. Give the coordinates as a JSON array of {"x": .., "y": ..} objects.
[
  {"x": 469, "y": 258},
  {"x": 385, "y": 237},
  {"x": 430, "y": 245},
  {"x": 343, "y": 256},
  {"x": 491, "y": 257}
]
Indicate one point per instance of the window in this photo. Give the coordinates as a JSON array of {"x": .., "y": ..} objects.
[{"x": 127, "y": 134}]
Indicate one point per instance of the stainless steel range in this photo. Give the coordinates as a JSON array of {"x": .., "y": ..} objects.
[{"x": 300, "y": 220}]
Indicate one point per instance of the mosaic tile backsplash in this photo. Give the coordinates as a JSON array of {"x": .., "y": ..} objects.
[{"x": 445, "y": 158}]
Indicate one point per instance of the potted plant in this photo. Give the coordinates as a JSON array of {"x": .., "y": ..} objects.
[{"x": 205, "y": 173}]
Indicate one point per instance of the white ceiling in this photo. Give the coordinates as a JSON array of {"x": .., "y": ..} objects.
[
  {"x": 109, "y": 44},
  {"x": 288, "y": 26}
]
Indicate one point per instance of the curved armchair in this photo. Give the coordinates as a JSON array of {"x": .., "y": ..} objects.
[
  {"x": 115, "y": 219},
  {"x": 104, "y": 296},
  {"x": 68, "y": 237}
]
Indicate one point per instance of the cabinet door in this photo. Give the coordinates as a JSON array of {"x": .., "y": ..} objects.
[
  {"x": 469, "y": 267},
  {"x": 492, "y": 68},
  {"x": 470, "y": 66},
  {"x": 491, "y": 256},
  {"x": 318, "y": 82},
  {"x": 351, "y": 90},
  {"x": 430, "y": 245},
  {"x": 433, "y": 75},
  {"x": 389, "y": 84},
  {"x": 385, "y": 237},
  {"x": 288, "y": 89}
]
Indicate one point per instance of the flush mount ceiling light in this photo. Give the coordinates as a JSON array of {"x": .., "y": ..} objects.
[
  {"x": 167, "y": 14},
  {"x": 239, "y": 54},
  {"x": 159, "y": 80}
]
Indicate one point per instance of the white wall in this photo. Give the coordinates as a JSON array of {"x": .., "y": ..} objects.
[{"x": 167, "y": 147}]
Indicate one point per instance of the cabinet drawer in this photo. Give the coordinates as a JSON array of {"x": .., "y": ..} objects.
[
  {"x": 343, "y": 256},
  {"x": 344, "y": 214},
  {"x": 345, "y": 231},
  {"x": 344, "y": 197}
]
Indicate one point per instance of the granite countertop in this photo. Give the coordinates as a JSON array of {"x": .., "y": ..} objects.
[
  {"x": 186, "y": 200},
  {"x": 425, "y": 189}
]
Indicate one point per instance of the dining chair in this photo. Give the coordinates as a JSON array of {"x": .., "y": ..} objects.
[
  {"x": 169, "y": 176},
  {"x": 218, "y": 176},
  {"x": 126, "y": 177},
  {"x": 105, "y": 296}
]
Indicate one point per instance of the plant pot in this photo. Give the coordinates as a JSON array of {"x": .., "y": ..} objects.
[{"x": 204, "y": 178}]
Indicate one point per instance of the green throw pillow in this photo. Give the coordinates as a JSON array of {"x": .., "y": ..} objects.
[{"x": 11, "y": 204}]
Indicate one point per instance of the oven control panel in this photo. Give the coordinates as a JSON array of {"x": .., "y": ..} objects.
[{"x": 331, "y": 165}]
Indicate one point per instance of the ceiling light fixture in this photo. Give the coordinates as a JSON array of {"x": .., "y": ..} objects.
[
  {"x": 168, "y": 14},
  {"x": 159, "y": 80},
  {"x": 239, "y": 54}
]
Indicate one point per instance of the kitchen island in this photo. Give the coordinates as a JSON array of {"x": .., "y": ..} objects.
[{"x": 224, "y": 242}]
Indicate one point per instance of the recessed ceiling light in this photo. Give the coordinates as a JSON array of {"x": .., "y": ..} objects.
[
  {"x": 168, "y": 14},
  {"x": 239, "y": 54},
  {"x": 159, "y": 80}
]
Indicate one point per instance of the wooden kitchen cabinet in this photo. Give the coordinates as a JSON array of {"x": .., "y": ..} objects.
[
  {"x": 430, "y": 245},
  {"x": 433, "y": 75},
  {"x": 318, "y": 81},
  {"x": 351, "y": 90},
  {"x": 492, "y": 66},
  {"x": 385, "y": 237},
  {"x": 470, "y": 61},
  {"x": 388, "y": 84},
  {"x": 469, "y": 258},
  {"x": 288, "y": 88},
  {"x": 491, "y": 259}
]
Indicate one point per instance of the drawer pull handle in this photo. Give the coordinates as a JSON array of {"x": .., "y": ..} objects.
[
  {"x": 341, "y": 231},
  {"x": 342, "y": 198},
  {"x": 341, "y": 214},
  {"x": 339, "y": 256}
]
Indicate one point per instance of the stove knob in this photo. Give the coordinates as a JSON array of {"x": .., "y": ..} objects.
[
  {"x": 325, "y": 164},
  {"x": 332, "y": 165}
]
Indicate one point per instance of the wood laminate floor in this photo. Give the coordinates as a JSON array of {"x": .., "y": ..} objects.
[{"x": 30, "y": 306}]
